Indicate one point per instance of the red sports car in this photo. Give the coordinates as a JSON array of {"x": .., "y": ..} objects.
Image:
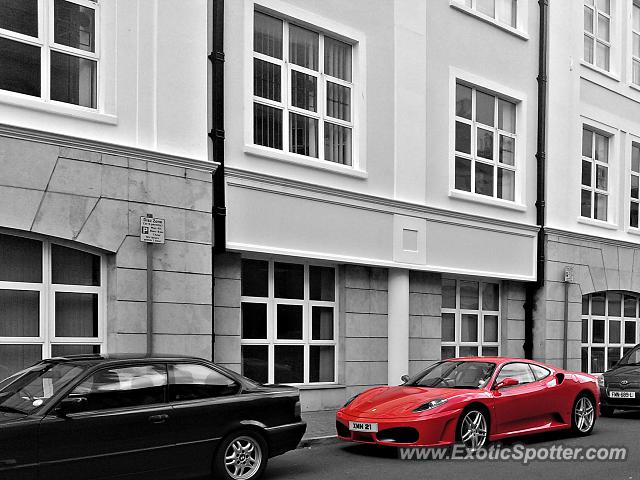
[{"x": 472, "y": 400}]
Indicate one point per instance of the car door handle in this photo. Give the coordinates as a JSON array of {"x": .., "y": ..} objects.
[{"x": 158, "y": 418}]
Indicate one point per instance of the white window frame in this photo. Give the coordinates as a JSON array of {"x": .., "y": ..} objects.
[
  {"x": 480, "y": 313},
  {"x": 47, "y": 291},
  {"x": 307, "y": 306},
  {"x": 593, "y": 189},
  {"x": 635, "y": 4},
  {"x": 594, "y": 37},
  {"x": 522, "y": 16},
  {"x": 500, "y": 91},
  {"x": 635, "y": 143},
  {"x": 323, "y": 26},
  {"x": 624, "y": 344}
]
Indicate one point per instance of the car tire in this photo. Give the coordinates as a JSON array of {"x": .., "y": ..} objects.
[
  {"x": 242, "y": 455},
  {"x": 606, "y": 411},
  {"x": 583, "y": 415},
  {"x": 473, "y": 429}
]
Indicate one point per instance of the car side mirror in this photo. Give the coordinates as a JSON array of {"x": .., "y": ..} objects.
[
  {"x": 507, "y": 382},
  {"x": 71, "y": 405},
  {"x": 404, "y": 378}
]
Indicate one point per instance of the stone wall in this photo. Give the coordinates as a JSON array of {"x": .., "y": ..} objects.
[
  {"x": 512, "y": 326},
  {"x": 425, "y": 319},
  {"x": 95, "y": 199},
  {"x": 226, "y": 300}
]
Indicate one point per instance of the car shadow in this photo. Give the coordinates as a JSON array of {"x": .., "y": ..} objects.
[{"x": 625, "y": 414}]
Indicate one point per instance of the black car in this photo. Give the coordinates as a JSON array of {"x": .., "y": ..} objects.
[
  {"x": 98, "y": 417},
  {"x": 620, "y": 386}
]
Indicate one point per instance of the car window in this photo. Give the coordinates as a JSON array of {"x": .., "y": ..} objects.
[
  {"x": 119, "y": 387},
  {"x": 632, "y": 357},
  {"x": 455, "y": 374},
  {"x": 193, "y": 381},
  {"x": 519, "y": 371},
  {"x": 539, "y": 372}
]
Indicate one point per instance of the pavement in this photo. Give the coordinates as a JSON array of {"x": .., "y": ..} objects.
[{"x": 321, "y": 428}]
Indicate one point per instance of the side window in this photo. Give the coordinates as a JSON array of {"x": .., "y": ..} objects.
[
  {"x": 519, "y": 371},
  {"x": 193, "y": 382},
  {"x": 120, "y": 387},
  {"x": 539, "y": 372}
]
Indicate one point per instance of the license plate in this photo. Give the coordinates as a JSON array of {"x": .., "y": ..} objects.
[
  {"x": 363, "y": 427},
  {"x": 619, "y": 394}
]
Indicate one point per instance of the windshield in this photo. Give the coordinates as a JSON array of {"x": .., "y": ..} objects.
[
  {"x": 32, "y": 388},
  {"x": 452, "y": 374},
  {"x": 632, "y": 357}
]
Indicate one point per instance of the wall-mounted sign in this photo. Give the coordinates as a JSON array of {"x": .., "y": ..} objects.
[
  {"x": 151, "y": 229},
  {"x": 569, "y": 275}
]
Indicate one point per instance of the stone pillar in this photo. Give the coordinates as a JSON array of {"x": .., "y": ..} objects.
[{"x": 398, "y": 325}]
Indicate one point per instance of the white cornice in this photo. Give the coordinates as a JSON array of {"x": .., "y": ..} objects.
[
  {"x": 21, "y": 133},
  {"x": 591, "y": 238},
  {"x": 371, "y": 202}
]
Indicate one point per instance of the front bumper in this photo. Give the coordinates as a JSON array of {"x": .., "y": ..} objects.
[
  {"x": 621, "y": 403},
  {"x": 435, "y": 429}
]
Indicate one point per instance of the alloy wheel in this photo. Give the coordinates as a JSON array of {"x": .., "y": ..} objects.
[
  {"x": 242, "y": 458},
  {"x": 584, "y": 414},
  {"x": 473, "y": 431}
]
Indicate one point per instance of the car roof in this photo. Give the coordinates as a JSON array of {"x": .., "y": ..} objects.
[
  {"x": 498, "y": 360},
  {"x": 114, "y": 358}
]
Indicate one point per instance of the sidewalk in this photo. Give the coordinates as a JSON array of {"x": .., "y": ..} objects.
[{"x": 321, "y": 427}]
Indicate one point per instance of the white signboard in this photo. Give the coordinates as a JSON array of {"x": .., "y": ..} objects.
[{"x": 151, "y": 230}]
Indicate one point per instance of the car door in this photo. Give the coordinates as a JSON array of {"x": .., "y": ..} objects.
[
  {"x": 122, "y": 429},
  {"x": 205, "y": 404},
  {"x": 522, "y": 406}
]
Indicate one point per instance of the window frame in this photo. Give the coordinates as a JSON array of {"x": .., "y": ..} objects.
[
  {"x": 593, "y": 189},
  {"x": 519, "y": 30},
  {"x": 271, "y": 340},
  {"x": 480, "y": 344},
  {"x": 630, "y": 199},
  {"x": 47, "y": 290},
  {"x": 633, "y": 59},
  {"x": 45, "y": 41}
]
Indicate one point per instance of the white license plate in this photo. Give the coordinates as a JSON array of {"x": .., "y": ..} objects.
[
  {"x": 619, "y": 394},
  {"x": 363, "y": 427}
]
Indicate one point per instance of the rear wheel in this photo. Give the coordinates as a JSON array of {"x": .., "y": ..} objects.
[
  {"x": 583, "y": 416},
  {"x": 242, "y": 455},
  {"x": 473, "y": 429}
]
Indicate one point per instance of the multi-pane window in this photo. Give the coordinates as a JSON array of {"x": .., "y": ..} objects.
[
  {"x": 504, "y": 11},
  {"x": 595, "y": 175},
  {"x": 635, "y": 43},
  {"x": 597, "y": 33},
  {"x": 609, "y": 329},
  {"x": 50, "y": 302},
  {"x": 634, "y": 201},
  {"x": 48, "y": 49},
  {"x": 470, "y": 318},
  {"x": 302, "y": 91},
  {"x": 485, "y": 143},
  {"x": 289, "y": 322}
]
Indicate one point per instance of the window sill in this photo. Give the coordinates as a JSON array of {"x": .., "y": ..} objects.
[
  {"x": 600, "y": 71},
  {"x": 492, "y": 21},
  {"x": 597, "y": 223},
  {"x": 301, "y": 161},
  {"x": 634, "y": 231},
  {"x": 319, "y": 386},
  {"x": 633, "y": 86},
  {"x": 494, "y": 202},
  {"x": 58, "y": 108}
]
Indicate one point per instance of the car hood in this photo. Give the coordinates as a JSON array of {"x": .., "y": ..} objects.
[
  {"x": 390, "y": 402},
  {"x": 624, "y": 372}
]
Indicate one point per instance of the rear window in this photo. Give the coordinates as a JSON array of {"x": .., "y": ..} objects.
[
  {"x": 539, "y": 372},
  {"x": 192, "y": 382}
]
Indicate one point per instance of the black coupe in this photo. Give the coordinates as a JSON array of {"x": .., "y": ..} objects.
[{"x": 102, "y": 417}]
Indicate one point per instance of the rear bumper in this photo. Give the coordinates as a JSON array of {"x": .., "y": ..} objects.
[
  {"x": 437, "y": 429},
  {"x": 283, "y": 438}
]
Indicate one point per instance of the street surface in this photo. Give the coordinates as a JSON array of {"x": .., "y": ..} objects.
[{"x": 342, "y": 460}]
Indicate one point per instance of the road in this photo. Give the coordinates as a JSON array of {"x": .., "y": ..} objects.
[{"x": 341, "y": 460}]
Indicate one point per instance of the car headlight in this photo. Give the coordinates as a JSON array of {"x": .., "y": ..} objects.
[
  {"x": 432, "y": 404},
  {"x": 350, "y": 400},
  {"x": 601, "y": 381}
]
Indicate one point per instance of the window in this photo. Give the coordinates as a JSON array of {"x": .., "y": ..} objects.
[
  {"x": 635, "y": 182},
  {"x": 609, "y": 329},
  {"x": 302, "y": 91},
  {"x": 504, "y": 11},
  {"x": 539, "y": 372},
  {"x": 470, "y": 318},
  {"x": 289, "y": 322},
  {"x": 597, "y": 33},
  {"x": 518, "y": 371},
  {"x": 193, "y": 382},
  {"x": 48, "y": 49},
  {"x": 595, "y": 175},
  {"x": 635, "y": 43},
  {"x": 485, "y": 143},
  {"x": 122, "y": 387},
  {"x": 50, "y": 302}
]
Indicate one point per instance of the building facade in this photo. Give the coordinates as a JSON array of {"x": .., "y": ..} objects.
[
  {"x": 103, "y": 119},
  {"x": 380, "y": 188}
]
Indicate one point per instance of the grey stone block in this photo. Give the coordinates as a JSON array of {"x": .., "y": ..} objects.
[
  {"x": 425, "y": 282},
  {"x": 379, "y": 302},
  {"x": 625, "y": 259},
  {"x": 198, "y": 226},
  {"x": 425, "y": 304},
  {"x": 130, "y": 317},
  {"x": 365, "y": 325},
  {"x": 62, "y": 215},
  {"x": 591, "y": 256},
  {"x": 115, "y": 182},
  {"x": 613, "y": 279},
  {"x": 80, "y": 154},
  {"x": 228, "y": 265},
  {"x": 137, "y": 164},
  {"x": 357, "y": 300},
  {"x": 226, "y": 293},
  {"x": 178, "y": 318},
  {"x": 379, "y": 278},
  {"x": 424, "y": 348},
  {"x": 356, "y": 276},
  {"x": 199, "y": 175},
  {"x": 115, "y": 160},
  {"x": 366, "y": 349},
  {"x": 366, "y": 373},
  {"x": 76, "y": 177},
  {"x": 165, "y": 169},
  {"x": 132, "y": 253},
  {"x": 227, "y": 349},
  {"x": 131, "y": 284},
  {"x": 599, "y": 277},
  {"x": 106, "y": 226},
  {"x": 192, "y": 345},
  {"x": 18, "y": 207},
  {"x": 177, "y": 287},
  {"x": 182, "y": 257},
  {"x": 515, "y": 309},
  {"x": 127, "y": 343},
  {"x": 25, "y": 163},
  {"x": 227, "y": 321},
  {"x": 515, "y": 329}
]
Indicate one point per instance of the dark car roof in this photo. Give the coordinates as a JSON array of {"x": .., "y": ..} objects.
[{"x": 96, "y": 359}]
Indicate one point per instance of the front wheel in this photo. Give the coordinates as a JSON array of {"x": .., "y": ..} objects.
[
  {"x": 242, "y": 455},
  {"x": 583, "y": 417},
  {"x": 473, "y": 430}
]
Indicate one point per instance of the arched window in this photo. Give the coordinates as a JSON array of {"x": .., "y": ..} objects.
[
  {"x": 609, "y": 328},
  {"x": 51, "y": 301}
]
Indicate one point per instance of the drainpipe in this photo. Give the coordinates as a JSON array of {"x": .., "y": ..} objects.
[
  {"x": 219, "y": 210},
  {"x": 533, "y": 287}
]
